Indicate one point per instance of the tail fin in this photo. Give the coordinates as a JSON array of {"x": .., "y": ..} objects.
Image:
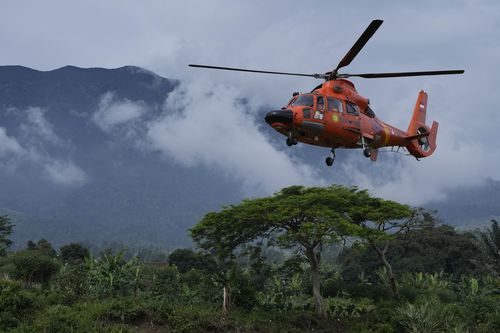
[{"x": 421, "y": 138}]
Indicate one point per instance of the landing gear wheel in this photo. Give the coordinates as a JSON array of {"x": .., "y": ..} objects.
[
  {"x": 367, "y": 152},
  {"x": 291, "y": 142},
  {"x": 329, "y": 161}
]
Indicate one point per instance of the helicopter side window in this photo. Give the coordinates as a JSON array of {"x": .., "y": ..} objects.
[
  {"x": 352, "y": 109},
  {"x": 334, "y": 105},
  {"x": 320, "y": 108},
  {"x": 370, "y": 112},
  {"x": 304, "y": 100}
]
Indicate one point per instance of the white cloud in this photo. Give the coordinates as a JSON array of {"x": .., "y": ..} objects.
[
  {"x": 166, "y": 36},
  {"x": 37, "y": 125},
  {"x": 64, "y": 173},
  {"x": 37, "y": 134},
  {"x": 214, "y": 129},
  {"x": 113, "y": 112},
  {"x": 9, "y": 145},
  {"x": 418, "y": 182}
]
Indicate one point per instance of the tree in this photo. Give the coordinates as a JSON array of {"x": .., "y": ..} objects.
[
  {"x": 297, "y": 218},
  {"x": 31, "y": 266},
  {"x": 427, "y": 249},
  {"x": 5, "y": 231},
  {"x": 382, "y": 221},
  {"x": 490, "y": 243},
  {"x": 74, "y": 253},
  {"x": 187, "y": 259},
  {"x": 43, "y": 246}
]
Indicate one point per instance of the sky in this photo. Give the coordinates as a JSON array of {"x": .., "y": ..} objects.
[{"x": 296, "y": 36}]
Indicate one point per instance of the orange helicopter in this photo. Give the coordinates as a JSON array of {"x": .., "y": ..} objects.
[{"x": 334, "y": 115}]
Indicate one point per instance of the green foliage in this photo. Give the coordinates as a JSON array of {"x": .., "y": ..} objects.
[
  {"x": 30, "y": 266},
  {"x": 6, "y": 227},
  {"x": 427, "y": 281},
  {"x": 187, "y": 259},
  {"x": 284, "y": 294},
  {"x": 198, "y": 287},
  {"x": 346, "y": 307},
  {"x": 44, "y": 247},
  {"x": 16, "y": 304},
  {"x": 165, "y": 281},
  {"x": 112, "y": 275},
  {"x": 427, "y": 250},
  {"x": 116, "y": 293},
  {"x": 490, "y": 245},
  {"x": 74, "y": 253},
  {"x": 71, "y": 283},
  {"x": 297, "y": 218},
  {"x": 428, "y": 316}
]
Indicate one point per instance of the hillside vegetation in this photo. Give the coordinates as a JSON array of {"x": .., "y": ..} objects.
[{"x": 330, "y": 259}]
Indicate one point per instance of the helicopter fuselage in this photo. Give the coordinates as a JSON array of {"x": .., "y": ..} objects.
[{"x": 335, "y": 116}]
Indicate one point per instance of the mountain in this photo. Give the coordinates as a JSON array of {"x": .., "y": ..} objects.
[
  {"x": 70, "y": 176},
  {"x": 470, "y": 207},
  {"x": 74, "y": 165}
]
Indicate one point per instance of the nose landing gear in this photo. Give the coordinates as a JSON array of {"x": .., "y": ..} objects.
[
  {"x": 330, "y": 159},
  {"x": 366, "y": 150},
  {"x": 291, "y": 141}
]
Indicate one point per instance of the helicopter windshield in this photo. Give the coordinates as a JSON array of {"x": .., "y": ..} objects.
[{"x": 304, "y": 100}]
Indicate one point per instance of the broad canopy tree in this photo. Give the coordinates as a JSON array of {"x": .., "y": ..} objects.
[{"x": 300, "y": 218}]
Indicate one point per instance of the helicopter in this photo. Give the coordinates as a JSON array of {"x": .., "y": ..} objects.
[{"x": 334, "y": 115}]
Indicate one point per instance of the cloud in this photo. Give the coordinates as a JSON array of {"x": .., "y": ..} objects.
[
  {"x": 64, "y": 173},
  {"x": 36, "y": 144},
  {"x": 401, "y": 178},
  {"x": 424, "y": 35},
  {"x": 208, "y": 125},
  {"x": 9, "y": 145},
  {"x": 38, "y": 127},
  {"x": 113, "y": 112}
]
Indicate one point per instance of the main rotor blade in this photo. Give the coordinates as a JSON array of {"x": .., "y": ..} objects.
[
  {"x": 360, "y": 43},
  {"x": 401, "y": 74},
  {"x": 317, "y": 76}
]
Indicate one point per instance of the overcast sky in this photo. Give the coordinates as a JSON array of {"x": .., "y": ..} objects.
[{"x": 300, "y": 36}]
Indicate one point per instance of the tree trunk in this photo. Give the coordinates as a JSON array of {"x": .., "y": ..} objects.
[
  {"x": 319, "y": 304},
  {"x": 388, "y": 267},
  {"x": 226, "y": 301}
]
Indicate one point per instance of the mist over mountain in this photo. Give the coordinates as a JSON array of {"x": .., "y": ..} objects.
[
  {"x": 83, "y": 158},
  {"x": 72, "y": 167}
]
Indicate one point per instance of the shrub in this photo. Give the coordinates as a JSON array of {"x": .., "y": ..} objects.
[
  {"x": 70, "y": 283},
  {"x": 16, "y": 304},
  {"x": 31, "y": 266},
  {"x": 348, "y": 308}
]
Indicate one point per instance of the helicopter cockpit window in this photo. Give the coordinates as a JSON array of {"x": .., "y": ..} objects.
[
  {"x": 352, "y": 109},
  {"x": 304, "y": 100},
  {"x": 334, "y": 105},
  {"x": 320, "y": 107}
]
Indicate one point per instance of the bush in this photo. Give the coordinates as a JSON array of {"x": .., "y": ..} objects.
[
  {"x": 112, "y": 275},
  {"x": 70, "y": 283},
  {"x": 165, "y": 282},
  {"x": 31, "y": 266},
  {"x": 16, "y": 304},
  {"x": 348, "y": 308}
]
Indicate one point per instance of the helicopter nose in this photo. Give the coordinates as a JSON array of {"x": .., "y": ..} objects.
[{"x": 279, "y": 116}]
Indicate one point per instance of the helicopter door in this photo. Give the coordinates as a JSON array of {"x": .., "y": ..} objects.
[{"x": 352, "y": 121}]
